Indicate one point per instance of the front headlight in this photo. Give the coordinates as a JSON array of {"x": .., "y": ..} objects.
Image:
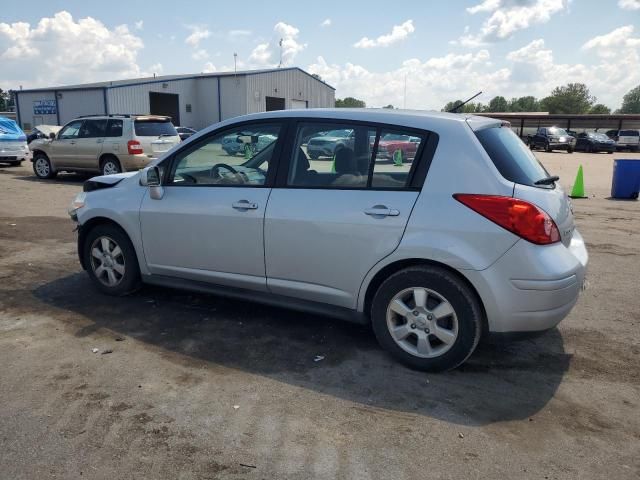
[{"x": 76, "y": 204}]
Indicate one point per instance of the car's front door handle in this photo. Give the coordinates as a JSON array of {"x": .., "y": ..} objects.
[
  {"x": 244, "y": 205},
  {"x": 72, "y": 143},
  {"x": 382, "y": 211}
]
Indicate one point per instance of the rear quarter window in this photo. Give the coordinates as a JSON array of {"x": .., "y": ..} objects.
[
  {"x": 148, "y": 128},
  {"x": 629, "y": 133},
  {"x": 511, "y": 156}
]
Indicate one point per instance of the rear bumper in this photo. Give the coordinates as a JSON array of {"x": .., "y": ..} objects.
[
  {"x": 559, "y": 146},
  {"x": 135, "y": 162},
  {"x": 532, "y": 288}
]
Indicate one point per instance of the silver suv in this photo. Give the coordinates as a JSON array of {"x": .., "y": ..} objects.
[
  {"x": 471, "y": 237},
  {"x": 108, "y": 144}
]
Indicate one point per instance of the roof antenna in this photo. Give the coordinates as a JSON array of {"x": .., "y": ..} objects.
[
  {"x": 457, "y": 107},
  {"x": 280, "y": 43}
]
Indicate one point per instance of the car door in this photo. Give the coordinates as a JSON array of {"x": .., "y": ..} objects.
[
  {"x": 89, "y": 143},
  {"x": 63, "y": 147},
  {"x": 208, "y": 225},
  {"x": 329, "y": 221}
]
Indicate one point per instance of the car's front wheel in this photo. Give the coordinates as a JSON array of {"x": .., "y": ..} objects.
[
  {"x": 42, "y": 166},
  {"x": 111, "y": 260},
  {"x": 427, "y": 318}
]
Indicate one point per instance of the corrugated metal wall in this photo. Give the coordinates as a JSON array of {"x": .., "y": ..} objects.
[
  {"x": 28, "y": 119},
  {"x": 74, "y": 103},
  {"x": 135, "y": 99},
  {"x": 206, "y": 108},
  {"x": 233, "y": 96},
  {"x": 290, "y": 85}
]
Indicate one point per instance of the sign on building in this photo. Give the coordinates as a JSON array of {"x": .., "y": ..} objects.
[{"x": 44, "y": 107}]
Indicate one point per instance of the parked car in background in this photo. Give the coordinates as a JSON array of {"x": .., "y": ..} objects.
[
  {"x": 326, "y": 143},
  {"x": 595, "y": 142},
  {"x": 13, "y": 143},
  {"x": 42, "y": 131},
  {"x": 392, "y": 142},
  {"x": 104, "y": 143},
  {"x": 552, "y": 138},
  {"x": 433, "y": 259},
  {"x": 246, "y": 143},
  {"x": 185, "y": 132},
  {"x": 628, "y": 140}
]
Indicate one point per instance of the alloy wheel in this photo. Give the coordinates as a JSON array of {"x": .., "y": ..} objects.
[
  {"x": 422, "y": 322},
  {"x": 107, "y": 261},
  {"x": 109, "y": 168},
  {"x": 42, "y": 167}
]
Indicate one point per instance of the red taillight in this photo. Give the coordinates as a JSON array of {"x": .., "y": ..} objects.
[
  {"x": 519, "y": 217},
  {"x": 134, "y": 147}
]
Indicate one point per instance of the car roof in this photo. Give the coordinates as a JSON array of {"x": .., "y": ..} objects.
[{"x": 410, "y": 118}]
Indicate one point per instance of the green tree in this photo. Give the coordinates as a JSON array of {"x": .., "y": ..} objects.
[
  {"x": 524, "y": 104},
  {"x": 600, "y": 108},
  {"x": 571, "y": 98},
  {"x": 498, "y": 104},
  {"x": 631, "y": 101},
  {"x": 350, "y": 102},
  {"x": 4, "y": 100},
  {"x": 466, "y": 108},
  {"x": 317, "y": 77},
  {"x": 390, "y": 107}
]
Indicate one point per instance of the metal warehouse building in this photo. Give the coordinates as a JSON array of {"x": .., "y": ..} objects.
[{"x": 190, "y": 100}]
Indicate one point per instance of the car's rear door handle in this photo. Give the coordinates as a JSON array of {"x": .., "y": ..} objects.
[
  {"x": 72, "y": 143},
  {"x": 244, "y": 205},
  {"x": 382, "y": 211}
]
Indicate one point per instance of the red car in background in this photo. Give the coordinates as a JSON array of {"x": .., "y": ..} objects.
[{"x": 391, "y": 142}]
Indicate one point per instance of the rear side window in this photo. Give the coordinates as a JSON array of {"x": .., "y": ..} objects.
[
  {"x": 114, "y": 128},
  {"x": 154, "y": 128},
  {"x": 511, "y": 156},
  {"x": 93, "y": 129},
  {"x": 629, "y": 133}
]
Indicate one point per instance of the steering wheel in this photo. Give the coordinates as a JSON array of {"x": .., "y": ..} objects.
[{"x": 215, "y": 170}]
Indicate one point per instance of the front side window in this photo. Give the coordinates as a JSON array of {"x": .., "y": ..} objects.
[
  {"x": 237, "y": 157},
  {"x": 351, "y": 156},
  {"x": 71, "y": 130}
]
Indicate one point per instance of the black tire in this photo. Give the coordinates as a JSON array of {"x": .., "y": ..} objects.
[
  {"x": 446, "y": 284},
  {"x": 547, "y": 147},
  {"x": 569, "y": 150},
  {"x": 16, "y": 164},
  {"x": 127, "y": 282},
  {"x": 110, "y": 165},
  {"x": 42, "y": 166},
  {"x": 609, "y": 152}
]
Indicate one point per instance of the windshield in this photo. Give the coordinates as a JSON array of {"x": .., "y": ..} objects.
[
  {"x": 338, "y": 133},
  {"x": 557, "y": 131},
  {"x": 154, "y": 128},
  {"x": 511, "y": 156},
  {"x": 599, "y": 136}
]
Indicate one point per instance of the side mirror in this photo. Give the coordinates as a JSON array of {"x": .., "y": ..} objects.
[
  {"x": 52, "y": 136},
  {"x": 150, "y": 177}
]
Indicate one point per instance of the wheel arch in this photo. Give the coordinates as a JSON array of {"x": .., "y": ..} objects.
[
  {"x": 90, "y": 224},
  {"x": 39, "y": 151},
  {"x": 105, "y": 156},
  {"x": 385, "y": 272}
]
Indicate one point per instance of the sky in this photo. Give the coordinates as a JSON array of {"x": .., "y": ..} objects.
[{"x": 411, "y": 54}]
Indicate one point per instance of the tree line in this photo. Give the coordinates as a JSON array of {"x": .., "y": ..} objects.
[{"x": 571, "y": 98}]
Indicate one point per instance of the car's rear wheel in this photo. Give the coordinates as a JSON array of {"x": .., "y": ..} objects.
[
  {"x": 111, "y": 260},
  {"x": 427, "y": 318},
  {"x": 42, "y": 166},
  {"x": 569, "y": 149},
  {"x": 110, "y": 166},
  {"x": 547, "y": 147}
]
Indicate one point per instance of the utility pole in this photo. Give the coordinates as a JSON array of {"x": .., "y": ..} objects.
[
  {"x": 405, "y": 92},
  {"x": 235, "y": 63},
  {"x": 280, "y": 43}
]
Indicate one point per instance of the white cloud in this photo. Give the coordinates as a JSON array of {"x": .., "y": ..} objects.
[
  {"x": 139, "y": 25},
  {"x": 629, "y": 4},
  {"x": 239, "y": 33},
  {"x": 430, "y": 83},
  {"x": 510, "y": 16},
  {"x": 326, "y": 22},
  {"x": 200, "y": 54},
  {"x": 267, "y": 54},
  {"x": 613, "y": 43},
  {"x": 208, "y": 68},
  {"x": 198, "y": 33},
  {"x": 398, "y": 33},
  {"x": 60, "y": 50}
]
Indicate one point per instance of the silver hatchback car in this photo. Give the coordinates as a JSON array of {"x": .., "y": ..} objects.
[{"x": 469, "y": 237}]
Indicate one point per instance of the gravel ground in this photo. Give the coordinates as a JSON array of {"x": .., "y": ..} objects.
[{"x": 199, "y": 387}]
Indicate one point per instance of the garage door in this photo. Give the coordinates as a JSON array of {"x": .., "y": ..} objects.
[
  {"x": 165, "y": 104},
  {"x": 296, "y": 104}
]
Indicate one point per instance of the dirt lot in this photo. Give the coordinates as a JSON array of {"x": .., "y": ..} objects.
[{"x": 199, "y": 387}]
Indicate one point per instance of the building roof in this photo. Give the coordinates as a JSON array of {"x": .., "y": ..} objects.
[{"x": 165, "y": 78}]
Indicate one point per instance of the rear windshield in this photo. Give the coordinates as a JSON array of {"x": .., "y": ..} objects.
[
  {"x": 629, "y": 133},
  {"x": 149, "y": 128},
  {"x": 511, "y": 156}
]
